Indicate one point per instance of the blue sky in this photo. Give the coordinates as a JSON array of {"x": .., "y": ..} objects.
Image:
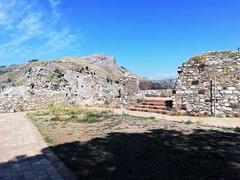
[{"x": 149, "y": 37}]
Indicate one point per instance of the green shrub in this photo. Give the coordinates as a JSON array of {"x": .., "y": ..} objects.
[
  {"x": 63, "y": 110},
  {"x": 91, "y": 117},
  {"x": 59, "y": 73},
  {"x": 96, "y": 116},
  {"x": 75, "y": 118}
]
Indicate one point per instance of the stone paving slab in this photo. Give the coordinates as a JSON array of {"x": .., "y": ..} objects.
[{"x": 23, "y": 153}]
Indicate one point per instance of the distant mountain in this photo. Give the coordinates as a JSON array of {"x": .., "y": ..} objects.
[
  {"x": 5, "y": 69},
  {"x": 157, "y": 84}
]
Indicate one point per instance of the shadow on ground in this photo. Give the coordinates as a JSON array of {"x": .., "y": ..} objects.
[{"x": 158, "y": 154}]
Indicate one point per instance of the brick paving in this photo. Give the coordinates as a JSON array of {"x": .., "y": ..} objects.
[{"x": 23, "y": 153}]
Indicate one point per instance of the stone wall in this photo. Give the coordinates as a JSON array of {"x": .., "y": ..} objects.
[
  {"x": 157, "y": 93},
  {"x": 209, "y": 84},
  {"x": 41, "y": 99},
  {"x": 24, "y": 98}
]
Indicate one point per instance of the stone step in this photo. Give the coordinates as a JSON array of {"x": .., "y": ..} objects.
[
  {"x": 167, "y": 103},
  {"x": 147, "y": 110},
  {"x": 155, "y": 101},
  {"x": 162, "y": 107}
]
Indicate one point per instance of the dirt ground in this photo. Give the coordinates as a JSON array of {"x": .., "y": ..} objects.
[
  {"x": 225, "y": 122},
  {"x": 125, "y": 148}
]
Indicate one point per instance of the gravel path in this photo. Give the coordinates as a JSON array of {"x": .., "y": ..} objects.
[{"x": 209, "y": 121}]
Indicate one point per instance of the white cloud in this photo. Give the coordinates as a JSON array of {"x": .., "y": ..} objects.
[
  {"x": 53, "y": 4},
  {"x": 28, "y": 29}
]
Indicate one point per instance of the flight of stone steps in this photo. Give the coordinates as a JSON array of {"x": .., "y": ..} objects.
[{"x": 153, "y": 105}]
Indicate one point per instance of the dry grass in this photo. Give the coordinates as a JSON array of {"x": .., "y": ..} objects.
[
  {"x": 199, "y": 59},
  {"x": 68, "y": 113}
]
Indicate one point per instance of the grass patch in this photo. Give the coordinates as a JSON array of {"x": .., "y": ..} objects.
[
  {"x": 47, "y": 139},
  {"x": 36, "y": 117},
  {"x": 125, "y": 115},
  {"x": 70, "y": 114},
  {"x": 188, "y": 122},
  {"x": 67, "y": 113}
]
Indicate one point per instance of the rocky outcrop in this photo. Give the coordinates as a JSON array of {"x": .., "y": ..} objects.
[
  {"x": 94, "y": 80},
  {"x": 210, "y": 84}
]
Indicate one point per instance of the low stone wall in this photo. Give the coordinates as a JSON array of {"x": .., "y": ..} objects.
[
  {"x": 11, "y": 103},
  {"x": 157, "y": 93}
]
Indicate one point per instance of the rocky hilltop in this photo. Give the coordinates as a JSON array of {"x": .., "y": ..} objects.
[{"x": 93, "y": 80}]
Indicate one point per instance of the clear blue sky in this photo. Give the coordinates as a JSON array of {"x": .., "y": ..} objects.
[{"x": 149, "y": 37}]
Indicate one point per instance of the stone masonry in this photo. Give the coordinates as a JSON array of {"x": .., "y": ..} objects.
[{"x": 209, "y": 84}]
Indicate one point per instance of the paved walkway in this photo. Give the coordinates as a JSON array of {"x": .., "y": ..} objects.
[{"x": 23, "y": 153}]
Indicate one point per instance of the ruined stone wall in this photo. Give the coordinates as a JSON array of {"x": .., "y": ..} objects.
[
  {"x": 210, "y": 84},
  {"x": 12, "y": 103},
  {"x": 92, "y": 93},
  {"x": 157, "y": 93}
]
